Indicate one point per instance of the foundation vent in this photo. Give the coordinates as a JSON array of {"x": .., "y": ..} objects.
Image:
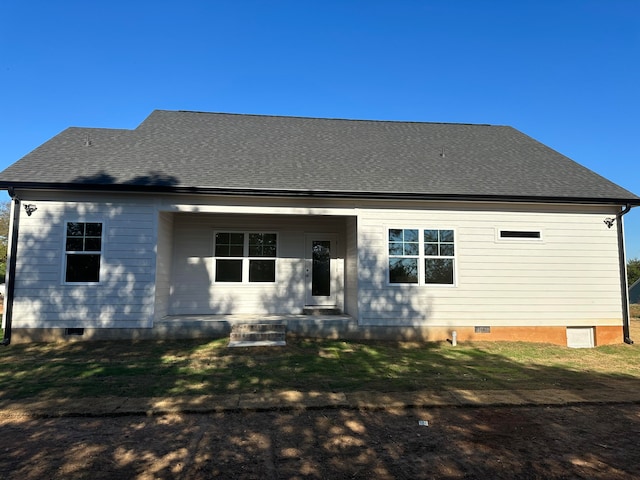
[
  {"x": 74, "y": 331},
  {"x": 483, "y": 329},
  {"x": 580, "y": 337}
]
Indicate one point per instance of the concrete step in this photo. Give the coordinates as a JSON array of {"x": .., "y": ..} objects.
[
  {"x": 254, "y": 336},
  {"x": 321, "y": 311},
  {"x": 258, "y": 327},
  {"x": 257, "y": 335}
]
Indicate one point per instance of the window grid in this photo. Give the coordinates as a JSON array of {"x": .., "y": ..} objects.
[
  {"x": 245, "y": 257},
  {"x": 421, "y": 256},
  {"x": 83, "y": 252},
  {"x": 439, "y": 252},
  {"x": 404, "y": 254}
]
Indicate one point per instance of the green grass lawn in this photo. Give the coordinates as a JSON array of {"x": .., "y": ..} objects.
[{"x": 190, "y": 367}]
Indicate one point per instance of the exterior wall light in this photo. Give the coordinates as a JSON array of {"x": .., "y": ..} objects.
[{"x": 29, "y": 208}]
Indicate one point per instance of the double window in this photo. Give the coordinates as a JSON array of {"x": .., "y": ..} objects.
[
  {"x": 83, "y": 250},
  {"x": 245, "y": 257},
  {"x": 421, "y": 256}
]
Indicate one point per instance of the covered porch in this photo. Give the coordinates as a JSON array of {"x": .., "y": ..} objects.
[{"x": 215, "y": 268}]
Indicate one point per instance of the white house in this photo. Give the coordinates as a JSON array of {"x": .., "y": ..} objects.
[{"x": 194, "y": 221}]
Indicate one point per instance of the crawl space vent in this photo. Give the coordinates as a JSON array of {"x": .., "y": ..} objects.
[
  {"x": 483, "y": 329},
  {"x": 74, "y": 331},
  {"x": 580, "y": 337}
]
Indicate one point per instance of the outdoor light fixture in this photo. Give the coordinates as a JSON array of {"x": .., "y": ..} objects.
[
  {"x": 609, "y": 222},
  {"x": 29, "y": 208}
]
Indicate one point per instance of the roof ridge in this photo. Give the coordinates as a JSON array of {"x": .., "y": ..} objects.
[
  {"x": 199, "y": 112},
  {"x": 100, "y": 129}
]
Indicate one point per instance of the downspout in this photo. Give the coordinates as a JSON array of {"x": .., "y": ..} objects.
[
  {"x": 11, "y": 267},
  {"x": 626, "y": 329}
]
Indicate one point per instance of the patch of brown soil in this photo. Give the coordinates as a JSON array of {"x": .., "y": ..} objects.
[{"x": 596, "y": 442}]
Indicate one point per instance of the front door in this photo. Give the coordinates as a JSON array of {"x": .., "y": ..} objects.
[{"x": 319, "y": 269}]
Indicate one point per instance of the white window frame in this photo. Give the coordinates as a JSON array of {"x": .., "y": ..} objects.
[
  {"x": 422, "y": 257},
  {"x": 246, "y": 259},
  {"x": 66, "y": 253}
]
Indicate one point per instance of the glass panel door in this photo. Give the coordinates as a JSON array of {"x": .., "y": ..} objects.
[
  {"x": 321, "y": 268},
  {"x": 319, "y": 265}
]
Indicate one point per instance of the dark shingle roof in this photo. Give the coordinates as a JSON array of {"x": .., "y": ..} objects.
[{"x": 208, "y": 152}]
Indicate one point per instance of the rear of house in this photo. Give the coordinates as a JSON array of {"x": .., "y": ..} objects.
[{"x": 193, "y": 222}]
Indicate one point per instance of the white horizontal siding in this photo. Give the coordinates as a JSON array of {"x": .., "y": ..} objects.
[
  {"x": 124, "y": 298},
  {"x": 568, "y": 277},
  {"x": 164, "y": 260},
  {"x": 351, "y": 268},
  {"x": 192, "y": 280}
]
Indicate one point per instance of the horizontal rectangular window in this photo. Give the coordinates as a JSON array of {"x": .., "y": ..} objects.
[
  {"x": 424, "y": 257},
  {"x": 245, "y": 257},
  {"x": 83, "y": 249},
  {"x": 519, "y": 234}
]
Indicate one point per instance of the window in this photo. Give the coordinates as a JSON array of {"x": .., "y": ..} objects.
[
  {"x": 519, "y": 234},
  {"x": 404, "y": 254},
  {"x": 439, "y": 253},
  {"x": 245, "y": 257},
  {"x": 83, "y": 249},
  {"x": 421, "y": 256}
]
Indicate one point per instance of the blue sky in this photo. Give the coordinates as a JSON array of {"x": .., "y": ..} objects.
[{"x": 564, "y": 72}]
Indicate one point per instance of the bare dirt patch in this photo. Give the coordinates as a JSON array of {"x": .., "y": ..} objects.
[
  {"x": 589, "y": 442},
  {"x": 595, "y": 442}
]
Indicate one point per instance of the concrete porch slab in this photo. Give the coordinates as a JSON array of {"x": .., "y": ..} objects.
[{"x": 218, "y": 326}]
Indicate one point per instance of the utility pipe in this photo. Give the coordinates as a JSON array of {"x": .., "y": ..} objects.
[
  {"x": 11, "y": 266},
  {"x": 626, "y": 328}
]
